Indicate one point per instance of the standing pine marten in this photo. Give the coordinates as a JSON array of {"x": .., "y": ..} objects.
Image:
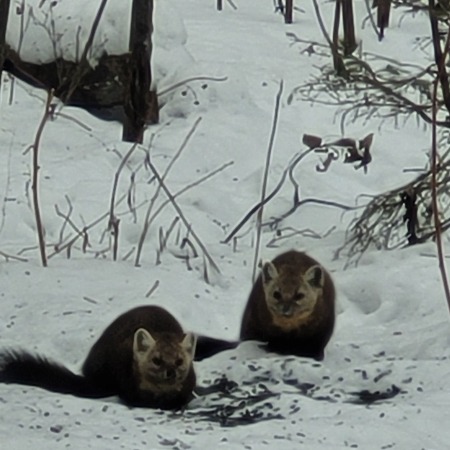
[
  {"x": 144, "y": 357},
  {"x": 291, "y": 306}
]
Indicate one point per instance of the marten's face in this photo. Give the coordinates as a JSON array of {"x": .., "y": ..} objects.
[
  {"x": 291, "y": 295},
  {"x": 162, "y": 363}
]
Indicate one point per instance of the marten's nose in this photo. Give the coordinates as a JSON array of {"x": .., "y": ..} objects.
[
  {"x": 170, "y": 374},
  {"x": 286, "y": 310}
]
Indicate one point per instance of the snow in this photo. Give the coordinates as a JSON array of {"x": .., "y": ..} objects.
[
  {"x": 41, "y": 31},
  {"x": 392, "y": 327}
]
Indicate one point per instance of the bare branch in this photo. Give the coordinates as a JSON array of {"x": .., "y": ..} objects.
[
  {"x": 113, "y": 223},
  {"x": 34, "y": 186},
  {"x": 156, "y": 194},
  {"x": 265, "y": 178},
  {"x": 182, "y": 216}
]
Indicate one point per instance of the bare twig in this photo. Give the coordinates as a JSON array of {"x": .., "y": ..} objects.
[
  {"x": 384, "y": 224},
  {"x": 83, "y": 61},
  {"x": 182, "y": 191},
  {"x": 257, "y": 207},
  {"x": 338, "y": 63},
  {"x": 168, "y": 89},
  {"x": 315, "y": 201},
  {"x": 182, "y": 216},
  {"x": 152, "y": 289},
  {"x": 113, "y": 224},
  {"x": 66, "y": 217},
  {"x": 83, "y": 232},
  {"x": 371, "y": 19},
  {"x": 156, "y": 194},
  {"x": 188, "y": 187},
  {"x": 265, "y": 178},
  {"x": 7, "y": 257},
  {"x": 34, "y": 186}
]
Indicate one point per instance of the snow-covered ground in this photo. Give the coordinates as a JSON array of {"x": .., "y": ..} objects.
[{"x": 392, "y": 334}]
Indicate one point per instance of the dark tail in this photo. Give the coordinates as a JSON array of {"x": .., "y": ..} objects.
[
  {"x": 207, "y": 346},
  {"x": 24, "y": 368}
]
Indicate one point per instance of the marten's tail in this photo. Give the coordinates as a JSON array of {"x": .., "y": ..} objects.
[
  {"x": 22, "y": 367},
  {"x": 207, "y": 346}
]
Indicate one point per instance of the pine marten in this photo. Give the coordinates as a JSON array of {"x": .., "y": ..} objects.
[
  {"x": 144, "y": 357},
  {"x": 291, "y": 306}
]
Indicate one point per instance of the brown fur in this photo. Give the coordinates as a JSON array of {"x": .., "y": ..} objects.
[
  {"x": 111, "y": 359},
  {"x": 144, "y": 357},
  {"x": 301, "y": 320}
]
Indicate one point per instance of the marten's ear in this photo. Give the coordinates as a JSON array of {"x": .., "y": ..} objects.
[
  {"x": 269, "y": 272},
  {"x": 315, "y": 277},
  {"x": 143, "y": 341},
  {"x": 189, "y": 343}
]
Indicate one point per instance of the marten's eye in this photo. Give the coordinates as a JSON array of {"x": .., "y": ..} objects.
[
  {"x": 156, "y": 361},
  {"x": 299, "y": 296},
  {"x": 277, "y": 295},
  {"x": 179, "y": 362}
]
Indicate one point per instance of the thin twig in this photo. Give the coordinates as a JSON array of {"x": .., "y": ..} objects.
[
  {"x": 156, "y": 194},
  {"x": 182, "y": 216},
  {"x": 34, "y": 186},
  {"x": 113, "y": 224},
  {"x": 277, "y": 188},
  {"x": 82, "y": 233},
  {"x": 372, "y": 20},
  {"x": 187, "y": 188},
  {"x": 265, "y": 178},
  {"x": 338, "y": 63},
  {"x": 152, "y": 289},
  {"x": 83, "y": 61},
  {"x": 7, "y": 256},
  {"x": 168, "y": 89}
]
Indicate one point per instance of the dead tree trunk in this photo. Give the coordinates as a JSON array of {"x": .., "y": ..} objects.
[
  {"x": 140, "y": 104},
  {"x": 4, "y": 11},
  {"x": 288, "y": 14}
]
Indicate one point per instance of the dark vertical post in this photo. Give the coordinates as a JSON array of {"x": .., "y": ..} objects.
[
  {"x": 219, "y": 5},
  {"x": 4, "y": 11},
  {"x": 337, "y": 63},
  {"x": 349, "y": 27},
  {"x": 383, "y": 13},
  {"x": 288, "y": 15},
  {"x": 140, "y": 104}
]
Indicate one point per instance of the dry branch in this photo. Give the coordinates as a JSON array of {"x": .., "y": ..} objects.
[
  {"x": 34, "y": 185},
  {"x": 150, "y": 219},
  {"x": 182, "y": 216},
  {"x": 265, "y": 178},
  {"x": 393, "y": 90},
  {"x": 83, "y": 65},
  {"x": 113, "y": 224},
  {"x": 81, "y": 233},
  {"x": 338, "y": 63},
  {"x": 385, "y": 222},
  {"x": 7, "y": 257},
  {"x": 156, "y": 194}
]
